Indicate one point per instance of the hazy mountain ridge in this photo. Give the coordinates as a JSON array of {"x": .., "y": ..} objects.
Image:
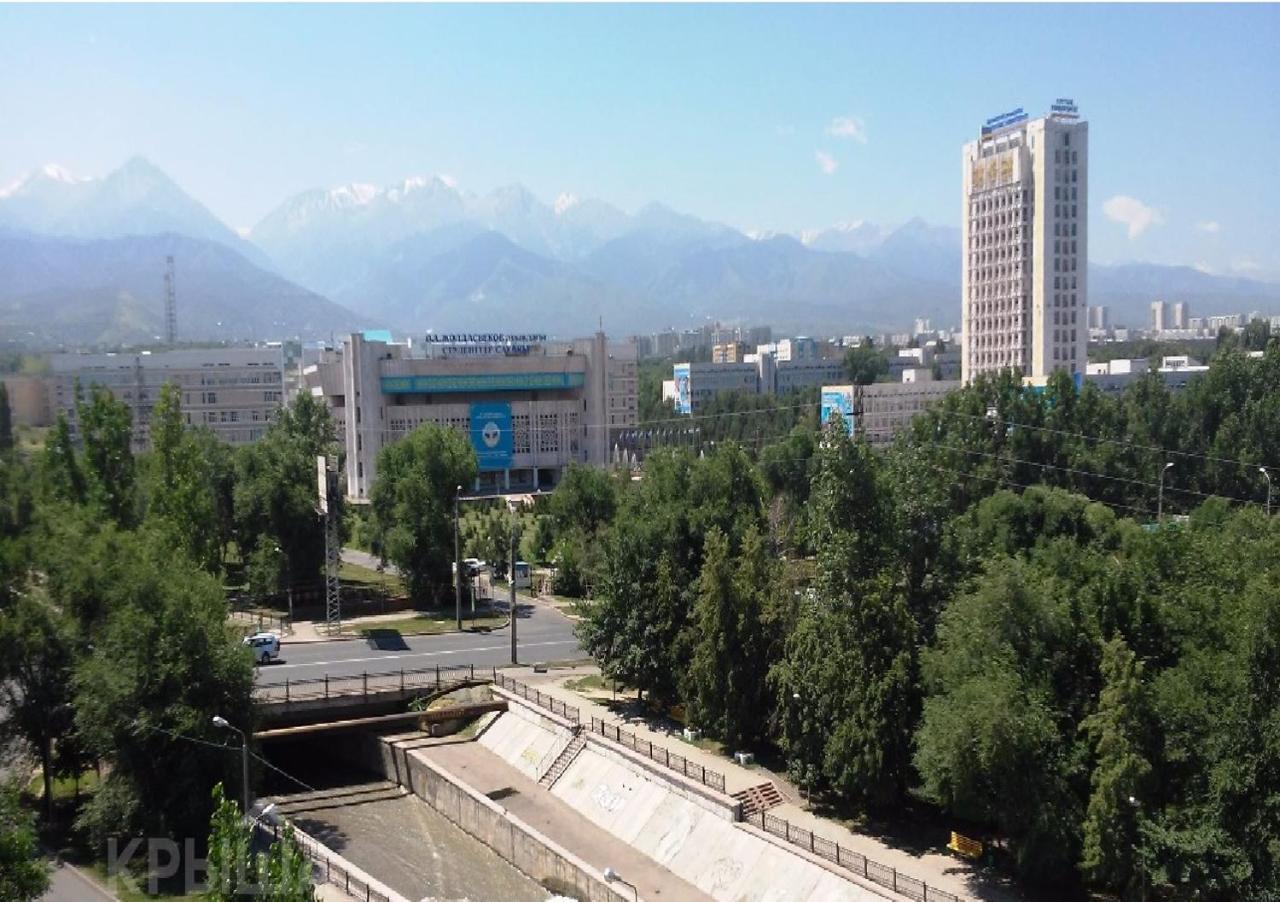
[
  {"x": 422, "y": 254},
  {"x": 111, "y": 291}
]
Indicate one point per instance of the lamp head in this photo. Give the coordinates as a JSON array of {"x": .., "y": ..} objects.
[
  {"x": 610, "y": 875},
  {"x": 220, "y": 721}
]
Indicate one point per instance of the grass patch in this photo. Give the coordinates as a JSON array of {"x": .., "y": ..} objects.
[
  {"x": 594, "y": 683},
  {"x": 64, "y": 788},
  {"x": 135, "y": 889},
  {"x": 432, "y": 623},
  {"x": 358, "y": 575}
]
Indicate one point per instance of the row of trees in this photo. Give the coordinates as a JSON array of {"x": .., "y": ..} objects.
[
  {"x": 990, "y": 619},
  {"x": 115, "y": 647}
]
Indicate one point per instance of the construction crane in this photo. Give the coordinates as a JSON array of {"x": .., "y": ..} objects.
[{"x": 170, "y": 304}]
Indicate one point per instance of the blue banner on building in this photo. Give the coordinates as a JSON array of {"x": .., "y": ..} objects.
[
  {"x": 491, "y": 435},
  {"x": 684, "y": 403},
  {"x": 838, "y": 400}
]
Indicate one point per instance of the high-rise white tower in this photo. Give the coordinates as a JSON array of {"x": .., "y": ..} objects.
[{"x": 1024, "y": 269}]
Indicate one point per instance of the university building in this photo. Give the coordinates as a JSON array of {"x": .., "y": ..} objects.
[
  {"x": 529, "y": 407},
  {"x": 1025, "y": 244}
]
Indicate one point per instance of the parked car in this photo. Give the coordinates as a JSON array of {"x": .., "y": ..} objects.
[{"x": 266, "y": 647}]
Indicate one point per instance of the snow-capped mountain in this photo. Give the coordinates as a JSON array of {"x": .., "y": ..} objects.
[
  {"x": 135, "y": 199},
  {"x": 844, "y": 237}
]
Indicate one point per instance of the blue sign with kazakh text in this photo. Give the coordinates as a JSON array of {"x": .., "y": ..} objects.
[{"x": 491, "y": 435}]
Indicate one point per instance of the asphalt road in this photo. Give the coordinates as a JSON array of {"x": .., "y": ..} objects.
[
  {"x": 543, "y": 634},
  {"x": 69, "y": 884}
]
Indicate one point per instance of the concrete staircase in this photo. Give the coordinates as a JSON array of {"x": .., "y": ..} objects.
[
  {"x": 563, "y": 760},
  {"x": 758, "y": 798}
]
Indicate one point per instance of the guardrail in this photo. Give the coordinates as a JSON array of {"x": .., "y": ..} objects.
[
  {"x": 855, "y": 862},
  {"x": 327, "y": 687},
  {"x": 324, "y": 869},
  {"x": 258, "y": 620},
  {"x": 541, "y": 699},
  {"x": 660, "y": 754}
]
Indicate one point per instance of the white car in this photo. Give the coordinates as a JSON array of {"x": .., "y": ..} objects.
[{"x": 266, "y": 647}]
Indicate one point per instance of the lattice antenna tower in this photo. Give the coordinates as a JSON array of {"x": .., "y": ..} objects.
[
  {"x": 170, "y": 304},
  {"x": 327, "y": 479}
]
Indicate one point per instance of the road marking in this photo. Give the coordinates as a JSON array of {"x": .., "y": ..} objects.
[{"x": 419, "y": 654}]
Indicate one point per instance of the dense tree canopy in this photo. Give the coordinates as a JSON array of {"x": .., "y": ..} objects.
[{"x": 413, "y": 505}]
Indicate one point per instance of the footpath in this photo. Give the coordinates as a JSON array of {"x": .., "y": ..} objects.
[{"x": 938, "y": 870}]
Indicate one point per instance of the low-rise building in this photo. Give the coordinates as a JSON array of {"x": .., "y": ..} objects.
[{"x": 236, "y": 392}]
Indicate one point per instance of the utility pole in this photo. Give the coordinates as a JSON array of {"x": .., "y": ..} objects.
[
  {"x": 457, "y": 561},
  {"x": 328, "y": 486},
  {"x": 1267, "y": 476},
  {"x": 512, "y": 584}
]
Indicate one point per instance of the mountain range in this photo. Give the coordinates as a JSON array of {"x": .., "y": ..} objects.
[{"x": 82, "y": 260}]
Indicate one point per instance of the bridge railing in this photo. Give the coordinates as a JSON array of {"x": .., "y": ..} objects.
[
  {"x": 541, "y": 699},
  {"x": 660, "y": 754},
  {"x": 324, "y": 869},
  {"x": 855, "y": 862},
  {"x": 326, "y": 687}
]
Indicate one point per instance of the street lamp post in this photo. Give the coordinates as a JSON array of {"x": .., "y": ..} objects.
[
  {"x": 808, "y": 793},
  {"x": 512, "y": 585},
  {"x": 612, "y": 876},
  {"x": 222, "y": 723},
  {"x": 1267, "y": 476},
  {"x": 457, "y": 561},
  {"x": 1160, "y": 496},
  {"x": 1137, "y": 854}
]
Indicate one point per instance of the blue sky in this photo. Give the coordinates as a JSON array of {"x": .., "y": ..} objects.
[{"x": 721, "y": 111}]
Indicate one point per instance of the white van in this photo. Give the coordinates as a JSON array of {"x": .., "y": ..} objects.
[{"x": 266, "y": 647}]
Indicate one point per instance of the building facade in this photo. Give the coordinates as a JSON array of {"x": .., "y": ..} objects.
[
  {"x": 236, "y": 392},
  {"x": 1024, "y": 263},
  {"x": 528, "y": 414}
]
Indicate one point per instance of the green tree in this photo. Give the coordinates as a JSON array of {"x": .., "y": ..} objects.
[
  {"x": 1121, "y": 774},
  {"x": 164, "y": 663},
  {"x": 6, "y": 420},
  {"x": 585, "y": 499},
  {"x": 231, "y": 864},
  {"x": 281, "y": 874},
  {"x": 412, "y": 502},
  {"x": 865, "y": 364},
  {"x": 728, "y": 691},
  {"x": 24, "y": 875},
  {"x": 275, "y": 492},
  {"x": 106, "y": 431},
  {"x": 36, "y": 656},
  {"x": 185, "y": 484},
  {"x": 61, "y": 467}
]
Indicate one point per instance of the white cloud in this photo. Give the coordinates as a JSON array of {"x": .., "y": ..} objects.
[
  {"x": 848, "y": 127},
  {"x": 1133, "y": 213},
  {"x": 1244, "y": 264},
  {"x": 1203, "y": 267},
  {"x": 565, "y": 201},
  {"x": 1213, "y": 227},
  {"x": 826, "y": 162},
  {"x": 243, "y": 231}
]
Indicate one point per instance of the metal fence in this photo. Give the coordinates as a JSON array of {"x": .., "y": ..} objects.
[
  {"x": 325, "y": 870},
  {"x": 433, "y": 678},
  {"x": 854, "y": 862},
  {"x": 660, "y": 754},
  {"x": 541, "y": 699}
]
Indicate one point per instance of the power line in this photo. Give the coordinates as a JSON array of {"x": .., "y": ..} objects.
[
  {"x": 1099, "y": 439},
  {"x": 1150, "y": 485}
]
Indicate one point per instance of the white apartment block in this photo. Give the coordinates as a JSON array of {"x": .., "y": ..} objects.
[
  {"x": 1024, "y": 281},
  {"x": 236, "y": 392}
]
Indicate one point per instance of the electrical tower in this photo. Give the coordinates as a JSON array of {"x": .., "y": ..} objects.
[
  {"x": 327, "y": 478},
  {"x": 170, "y": 304}
]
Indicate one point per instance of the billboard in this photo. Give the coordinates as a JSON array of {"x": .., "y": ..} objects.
[
  {"x": 684, "y": 404},
  {"x": 838, "y": 399},
  {"x": 491, "y": 435}
]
